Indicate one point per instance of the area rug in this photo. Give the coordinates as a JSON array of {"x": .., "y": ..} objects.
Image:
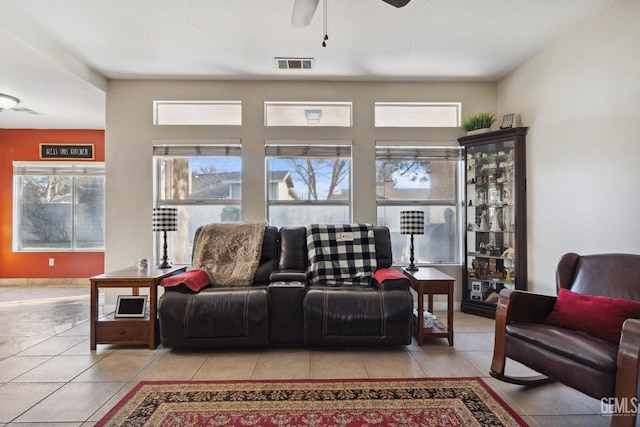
[{"x": 346, "y": 403}]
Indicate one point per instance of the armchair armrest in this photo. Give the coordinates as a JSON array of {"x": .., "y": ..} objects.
[
  {"x": 523, "y": 306},
  {"x": 516, "y": 306},
  {"x": 628, "y": 368}
]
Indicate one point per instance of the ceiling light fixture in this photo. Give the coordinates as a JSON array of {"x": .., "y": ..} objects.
[{"x": 8, "y": 102}]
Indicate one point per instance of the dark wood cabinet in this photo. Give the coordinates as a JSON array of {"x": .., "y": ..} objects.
[{"x": 495, "y": 218}]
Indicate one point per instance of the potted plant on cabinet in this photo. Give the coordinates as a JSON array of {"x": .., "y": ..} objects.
[{"x": 478, "y": 123}]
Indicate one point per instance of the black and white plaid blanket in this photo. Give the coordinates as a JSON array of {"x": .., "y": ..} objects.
[{"x": 341, "y": 254}]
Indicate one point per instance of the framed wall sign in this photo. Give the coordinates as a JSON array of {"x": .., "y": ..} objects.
[
  {"x": 507, "y": 121},
  {"x": 66, "y": 151}
]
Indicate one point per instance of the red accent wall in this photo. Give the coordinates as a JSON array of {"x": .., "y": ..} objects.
[{"x": 24, "y": 145}]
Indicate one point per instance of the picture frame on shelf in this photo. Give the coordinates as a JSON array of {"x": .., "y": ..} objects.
[{"x": 507, "y": 121}]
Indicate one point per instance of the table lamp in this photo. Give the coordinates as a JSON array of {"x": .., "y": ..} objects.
[
  {"x": 411, "y": 222},
  {"x": 165, "y": 219}
]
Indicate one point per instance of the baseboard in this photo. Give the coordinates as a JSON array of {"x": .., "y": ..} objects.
[{"x": 48, "y": 282}]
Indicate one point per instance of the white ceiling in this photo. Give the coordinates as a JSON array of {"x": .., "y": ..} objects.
[{"x": 57, "y": 56}]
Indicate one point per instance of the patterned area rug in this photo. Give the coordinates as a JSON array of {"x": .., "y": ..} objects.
[{"x": 408, "y": 402}]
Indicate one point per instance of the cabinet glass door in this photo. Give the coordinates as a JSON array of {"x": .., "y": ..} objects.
[{"x": 490, "y": 220}]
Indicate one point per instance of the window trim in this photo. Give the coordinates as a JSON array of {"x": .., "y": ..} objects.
[
  {"x": 322, "y": 149},
  {"x": 458, "y": 110},
  {"x": 311, "y": 105},
  {"x": 423, "y": 151},
  {"x": 73, "y": 169},
  {"x": 157, "y": 104}
]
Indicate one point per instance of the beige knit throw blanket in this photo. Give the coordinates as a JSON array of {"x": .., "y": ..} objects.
[{"x": 229, "y": 252}]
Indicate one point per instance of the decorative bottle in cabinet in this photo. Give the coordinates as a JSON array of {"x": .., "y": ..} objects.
[{"x": 495, "y": 218}]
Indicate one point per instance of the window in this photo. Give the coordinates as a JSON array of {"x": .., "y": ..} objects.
[
  {"x": 193, "y": 113},
  {"x": 308, "y": 114},
  {"x": 417, "y": 114},
  {"x": 308, "y": 184},
  {"x": 427, "y": 179},
  {"x": 204, "y": 182},
  {"x": 58, "y": 206}
]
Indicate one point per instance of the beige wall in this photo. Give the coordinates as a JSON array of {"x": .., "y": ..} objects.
[
  {"x": 130, "y": 135},
  {"x": 581, "y": 99}
]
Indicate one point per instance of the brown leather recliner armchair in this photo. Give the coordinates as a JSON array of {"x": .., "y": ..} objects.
[{"x": 591, "y": 365}]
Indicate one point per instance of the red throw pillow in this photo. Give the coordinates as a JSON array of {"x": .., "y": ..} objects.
[
  {"x": 193, "y": 280},
  {"x": 390, "y": 279},
  {"x": 383, "y": 274},
  {"x": 596, "y": 315}
]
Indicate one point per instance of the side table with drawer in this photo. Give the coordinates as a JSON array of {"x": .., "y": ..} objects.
[
  {"x": 430, "y": 281},
  {"x": 107, "y": 329}
]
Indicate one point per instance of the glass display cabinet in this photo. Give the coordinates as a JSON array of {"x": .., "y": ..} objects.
[{"x": 495, "y": 218}]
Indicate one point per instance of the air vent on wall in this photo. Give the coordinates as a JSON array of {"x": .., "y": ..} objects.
[{"x": 294, "y": 63}]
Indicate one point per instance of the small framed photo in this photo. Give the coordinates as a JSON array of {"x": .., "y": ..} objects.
[
  {"x": 507, "y": 121},
  {"x": 131, "y": 306}
]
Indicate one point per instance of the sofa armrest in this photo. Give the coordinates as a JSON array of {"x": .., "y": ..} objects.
[
  {"x": 288, "y": 276},
  {"x": 387, "y": 279}
]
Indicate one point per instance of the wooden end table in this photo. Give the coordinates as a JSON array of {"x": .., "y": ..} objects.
[
  {"x": 430, "y": 281},
  {"x": 128, "y": 331}
]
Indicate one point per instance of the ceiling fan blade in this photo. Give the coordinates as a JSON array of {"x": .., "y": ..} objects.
[
  {"x": 397, "y": 3},
  {"x": 303, "y": 11}
]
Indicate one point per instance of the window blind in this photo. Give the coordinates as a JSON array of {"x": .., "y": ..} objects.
[
  {"x": 308, "y": 151},
  {"x": 208, "y": 150},
  {"x": 58, "y": 168},
  {"x": 418, "y": 153}
]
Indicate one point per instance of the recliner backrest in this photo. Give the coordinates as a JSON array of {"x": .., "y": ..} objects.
[
  {"x": 293, "y": 248},
  {"x": 611, "y": 275},
  {"x": 268, "y": 256}
]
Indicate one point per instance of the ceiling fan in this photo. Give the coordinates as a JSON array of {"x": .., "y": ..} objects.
[{"x": 303, "y": 10}]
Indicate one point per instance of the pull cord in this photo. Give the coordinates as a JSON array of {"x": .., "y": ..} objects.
[{"x": 326, "y": 36}]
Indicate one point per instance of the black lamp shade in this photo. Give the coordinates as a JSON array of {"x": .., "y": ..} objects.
[
  {"x": 411, "y": 222},
  {"x": 165, "y": 219}
]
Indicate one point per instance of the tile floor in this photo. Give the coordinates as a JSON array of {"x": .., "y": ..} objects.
[{"x": 48, "y": 375}]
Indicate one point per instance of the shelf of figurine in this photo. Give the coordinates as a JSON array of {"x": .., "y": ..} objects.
[
  {"x": 479, "y": 157},
  {"x": 492, "y": 220},
  {"x": 492, "y": 270},
  {"x": 487, "y": 292}
]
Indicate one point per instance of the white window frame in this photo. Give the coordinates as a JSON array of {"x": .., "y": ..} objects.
[
  {"x": 163, "y": 150},
  {"x": 72, "y": 169},
  {"x": 396, "y": 150},
  {"x": 414, "y": 114},
  {"x": 313, "y": 112},
  {"x": 318, "y": 149},
  {"x": 198, "y": 113}
]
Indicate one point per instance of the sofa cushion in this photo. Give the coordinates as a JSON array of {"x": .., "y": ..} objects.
[
  {"x": 596, "y": 315},
  {"x": 572, "y": 345},
  {"x": 189, "y": 281},
  {"x": 341, "y": 254},
  {"x": 293, "y": 249}
]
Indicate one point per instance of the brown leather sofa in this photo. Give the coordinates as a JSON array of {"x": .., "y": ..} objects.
[
  {"x": 597, "y": 367},
  {"x": 281, "y": 309}
]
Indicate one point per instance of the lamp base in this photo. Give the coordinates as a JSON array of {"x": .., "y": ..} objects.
[
  {"x": 411, "y": 267},
  {"x": 165, "y": 264},
  {"x": 165, "y": 258}
]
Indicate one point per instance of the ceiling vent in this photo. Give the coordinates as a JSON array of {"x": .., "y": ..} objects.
[{"x": 294, "y": 63}]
